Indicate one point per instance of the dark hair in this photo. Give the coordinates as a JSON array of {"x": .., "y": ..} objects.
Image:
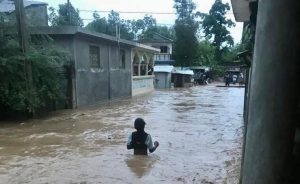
[{"x": 139, "y": 124}]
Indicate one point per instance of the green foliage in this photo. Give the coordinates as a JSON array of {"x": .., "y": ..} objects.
[
  {"x": 186, "y": 43},
  {"x": 66, "y": 16},
  {"x": 206, "y": 54},
  {"x": 16, "y": 92},
  {"x": 109, "y": 26},
  {"x": 129, "y": 29},
  {"x": 168, "y": 32},
  {"x": 247, "y": 42},
  {"x": 215, "y": 27}
]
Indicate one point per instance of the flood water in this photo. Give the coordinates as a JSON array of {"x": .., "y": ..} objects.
[{"x": 199, "y": 130}]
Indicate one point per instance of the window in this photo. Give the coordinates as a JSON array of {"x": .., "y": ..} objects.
[
  {"x": 163, "y": 49},
  {"x": 94, "y": 57},
  {"x": 122, "y": 59}
]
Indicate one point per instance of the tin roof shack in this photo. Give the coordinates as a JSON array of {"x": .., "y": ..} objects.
[
  {"x": 36, "y": 12},
  {"x": 183, "y": 78},
  {"x": 102, "y": 64},
  {"x": 162, "y": 77}
]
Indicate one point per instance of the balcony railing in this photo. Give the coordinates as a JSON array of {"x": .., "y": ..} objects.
[{"x": 162, "y": 57}]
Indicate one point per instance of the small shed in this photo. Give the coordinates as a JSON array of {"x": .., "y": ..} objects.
[
  {"x": 162, "y": 77},
  {"x": 183, "y": 78}
]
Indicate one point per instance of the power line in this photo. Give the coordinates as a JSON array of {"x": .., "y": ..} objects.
[
  {"x": 136, "y": 12},
  {"x": 129, "y": 12},
  {"x": 165, "y": 24}
]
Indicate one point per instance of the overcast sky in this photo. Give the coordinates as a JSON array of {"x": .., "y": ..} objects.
[{"x": 141, "y": 6}]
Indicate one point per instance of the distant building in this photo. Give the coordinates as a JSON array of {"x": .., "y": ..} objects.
[
  {"x": 36, "y": 12},
  {"x": 182, "y": 77},
  {"x": 164, "y": 44},
  {"x": 102, "y": 65},
  {"x": 163, "y": 75}
]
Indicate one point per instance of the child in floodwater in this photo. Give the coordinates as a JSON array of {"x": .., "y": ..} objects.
[{"x": 139, "y": 140}]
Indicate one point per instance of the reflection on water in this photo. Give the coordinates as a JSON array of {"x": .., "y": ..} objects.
[
  {"x": 199, "y": 130},
  {"x": 141, "y": 165}
]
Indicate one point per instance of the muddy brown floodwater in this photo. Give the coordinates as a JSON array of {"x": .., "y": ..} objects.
[{"x": 199, "y": 130}]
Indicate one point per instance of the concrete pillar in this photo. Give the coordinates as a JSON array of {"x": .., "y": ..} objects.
[
  {"x": 273, "y": 93},
  {"x": 147, "y": 68},
  {"x": 139, "y": 69}
]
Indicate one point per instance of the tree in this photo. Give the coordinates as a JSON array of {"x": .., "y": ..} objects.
[
  {"x": 186, "y": 42},
  {"x": 113, "y": 25},
  {"x": 215, "y": 26},
  {"x": 165, "y": 31},
  {"x": 206, "y": 54},
  {"x": 143, "y": 28},
  {"x": 15, "y": 93},
  {"x": 67, "y": 15}
]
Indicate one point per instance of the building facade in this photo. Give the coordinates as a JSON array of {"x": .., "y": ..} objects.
[
  {"x": 165, "y": 45},
  {"x": 102, "y": 65}
]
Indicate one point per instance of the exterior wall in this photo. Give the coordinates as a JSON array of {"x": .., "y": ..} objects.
[
  {"x": 67, "y": 85},
  {"x": 120, "y": 77},
  {"x": 274, "y": 94},
  {"x": 104, "y": 83},
  {"x": 37, "y": 15},
  {"x": 162, "y": 80},
  {"x": 142, "y": 85},
  {"x": 162, "y": 56}
]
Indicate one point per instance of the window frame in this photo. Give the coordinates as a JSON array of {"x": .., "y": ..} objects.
[
  {"x": 122, "y": 58},
  {"x": 91, "y": 63}
]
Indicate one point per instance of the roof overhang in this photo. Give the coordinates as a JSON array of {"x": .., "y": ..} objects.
[
  {"x": 73, "y": 30},
  {"x": 241, "y": 10}
]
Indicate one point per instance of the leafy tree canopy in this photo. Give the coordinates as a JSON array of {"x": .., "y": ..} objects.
[
  {"x": 111, "y": 26},
  {"x": 186, "y": 43},
  {"x": 65, "y": 16},
  {"x": 215, "y": 25}
]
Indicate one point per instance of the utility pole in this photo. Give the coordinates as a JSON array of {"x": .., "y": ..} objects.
[
  {"x": 69, "y": 12},
  {"x": 21, "y": 25},
  {"x": 23, "y": 42}
]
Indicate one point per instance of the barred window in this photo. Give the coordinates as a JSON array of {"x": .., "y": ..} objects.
[{"x": 95, "y": 57}]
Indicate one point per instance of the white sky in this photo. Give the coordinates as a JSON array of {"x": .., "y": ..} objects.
[{"x": 142, "y": 6}]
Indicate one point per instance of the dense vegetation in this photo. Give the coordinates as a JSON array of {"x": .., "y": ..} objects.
[{"x": 24, "y": 90}]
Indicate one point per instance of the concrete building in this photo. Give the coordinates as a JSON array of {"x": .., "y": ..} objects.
[
  {"x": 102, "y": 65},
  {"x": 162, "y": 77},
  {"x": 164, "y": 44},
  {"x": 271, "y": 151},
  {"x": 36, "y": 12}
]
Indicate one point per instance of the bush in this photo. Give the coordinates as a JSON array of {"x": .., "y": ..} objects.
[{"x": 17, "y": 92}]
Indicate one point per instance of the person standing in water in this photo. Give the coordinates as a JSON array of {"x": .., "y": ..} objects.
[{"x": 139, "y": 140}]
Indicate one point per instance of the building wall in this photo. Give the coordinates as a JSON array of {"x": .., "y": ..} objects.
[
  {"x": 120, "y": 77},
  {"x": 67, "y": 85},
  {"x": 142, "y": 85},
  {"x": 162, "y": 56},
  {"x": 37, "y": 15},
  {"x": 162, "y": 80},
  {"x": 96, "y": 85}
]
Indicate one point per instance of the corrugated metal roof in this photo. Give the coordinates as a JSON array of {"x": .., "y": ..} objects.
[
  {"x": 167, "y": 69},
  {"x": 7, "y": 6}
]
